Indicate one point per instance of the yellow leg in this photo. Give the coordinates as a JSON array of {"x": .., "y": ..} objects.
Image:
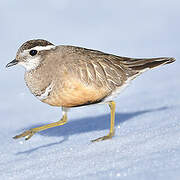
[
  {"x": 112, "y": 106},
  {"x": 29, "y": 133}
]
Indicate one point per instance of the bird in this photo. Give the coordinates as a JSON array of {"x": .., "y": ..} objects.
[{"x": 68, "y": 76}]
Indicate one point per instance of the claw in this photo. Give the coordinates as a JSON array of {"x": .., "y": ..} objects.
[
  {"x": 109, "y": 136},
  {"x": 27, "y": 134}
]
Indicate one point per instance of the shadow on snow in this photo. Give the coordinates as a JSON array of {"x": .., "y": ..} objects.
[{"x": 85, "y": 125}]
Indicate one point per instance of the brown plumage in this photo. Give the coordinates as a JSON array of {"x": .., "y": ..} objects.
[
  {"x": 83, "y": 76},
  {"x": 69, "y": 76}
]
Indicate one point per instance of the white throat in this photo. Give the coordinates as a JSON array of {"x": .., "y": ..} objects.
[{"x": 31, "y": 63}]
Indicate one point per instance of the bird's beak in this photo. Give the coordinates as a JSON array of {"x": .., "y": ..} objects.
[{"x": 12, "y": 63}]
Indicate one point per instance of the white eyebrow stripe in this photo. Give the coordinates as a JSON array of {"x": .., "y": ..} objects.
[{"x": 40, "y": 48}]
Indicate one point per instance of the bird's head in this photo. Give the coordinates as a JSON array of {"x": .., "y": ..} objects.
[{"x": 29, "y": 55}]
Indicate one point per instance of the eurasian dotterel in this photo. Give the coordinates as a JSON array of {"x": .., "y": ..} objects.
[{"x": 69, "y": 76}]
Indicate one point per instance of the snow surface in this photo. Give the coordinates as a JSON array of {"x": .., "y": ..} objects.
[{"x": 147, "y": 141}]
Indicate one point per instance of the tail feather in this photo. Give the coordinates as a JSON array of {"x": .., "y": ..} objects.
[{"x": 142, "y": 64}]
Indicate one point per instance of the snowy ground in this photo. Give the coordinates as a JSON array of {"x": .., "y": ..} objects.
[{"x": 147, "y": 141}]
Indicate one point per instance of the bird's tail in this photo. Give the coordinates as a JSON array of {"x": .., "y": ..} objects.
[{"x": 149, "y": 63}]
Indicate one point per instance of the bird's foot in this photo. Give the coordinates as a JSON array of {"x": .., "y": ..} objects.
[
  {"x": 27, "y": 134},
  {"x": 109, "y": 136}
]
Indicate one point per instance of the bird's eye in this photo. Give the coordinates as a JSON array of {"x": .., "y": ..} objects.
[{"x": 33, "y": 52}]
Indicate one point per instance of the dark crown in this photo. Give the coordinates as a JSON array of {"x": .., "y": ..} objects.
[{"x": 33, "y": 43}]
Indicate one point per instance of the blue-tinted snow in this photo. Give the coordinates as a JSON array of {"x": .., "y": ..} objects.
[{"x": 147, "y": 141}]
